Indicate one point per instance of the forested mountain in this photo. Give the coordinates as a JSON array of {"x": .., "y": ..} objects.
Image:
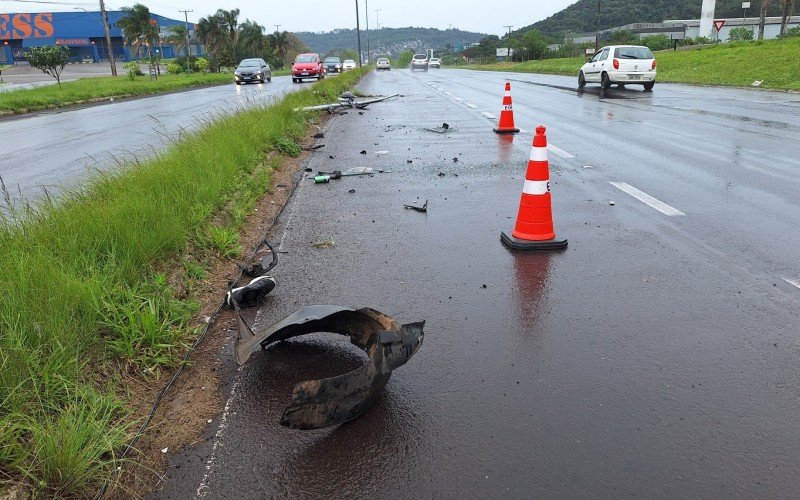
[
  {"x": 581, "y": 16},
  {"x": 391, "y": 40}
]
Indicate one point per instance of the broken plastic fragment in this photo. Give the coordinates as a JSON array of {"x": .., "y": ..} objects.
[{"x": 331, "y": 401}]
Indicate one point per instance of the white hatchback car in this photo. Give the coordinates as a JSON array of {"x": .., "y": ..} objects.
[
  {"x": 621, "y": 65},
  {"x": 348, "y": 64}
]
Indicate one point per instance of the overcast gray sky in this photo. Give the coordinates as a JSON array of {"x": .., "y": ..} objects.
[{"x": 324, "y": 15}]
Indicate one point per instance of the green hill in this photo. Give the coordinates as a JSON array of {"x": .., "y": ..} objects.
[
  {"x": 581, "y": 16},
  {"x": 392, "y": 40}
]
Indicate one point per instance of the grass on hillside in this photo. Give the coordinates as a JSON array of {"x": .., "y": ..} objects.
[
  {"x": 83, "y": 307},
  {"x": 86, "y": 89},
  {"x": 731, "y": 64}
]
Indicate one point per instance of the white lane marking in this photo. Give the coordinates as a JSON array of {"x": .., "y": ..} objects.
[
  {"x": 470, "y": 105},
  {"x": 202, "y": 490},
  {"x": 560, "y": 152},
  {"x": 488, "y": 115},
  {"x": 458, "y": 99},
  {"x": 447, "y": 93},
  {"x": 523, "y": 131},
  {"x": 792, "y": 282},
  {"x": 647, "y": 199}
]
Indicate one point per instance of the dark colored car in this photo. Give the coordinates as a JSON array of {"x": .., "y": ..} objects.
[
  {"x": 332, "y": 65},
  {"x": 252, "y": 70},
  {"x": 307, "y": 66}
]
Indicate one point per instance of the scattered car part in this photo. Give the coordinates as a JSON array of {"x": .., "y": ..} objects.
[
  {"x": 423, "y": 208},
  {"x": 250, "y": 294},
  {"x": 346, "y": 100},
  {"x": 322, "y": 403},
  {"x": 322, "y": 179},
  {"x": 439, "y": 130}
]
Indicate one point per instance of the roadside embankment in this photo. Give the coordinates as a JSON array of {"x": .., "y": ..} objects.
[
  {"x": 102, "y": 288},
  {"x": 772, "y": 62}
]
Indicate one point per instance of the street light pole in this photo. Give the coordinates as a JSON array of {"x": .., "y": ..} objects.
[
  {"x": 597, "y": 31},
  {"x": 104, "y": 18},
  {"x": 369, "y": 52},
  {"x": 378, "y": 22},
  {"x": 358, "y": 36}
]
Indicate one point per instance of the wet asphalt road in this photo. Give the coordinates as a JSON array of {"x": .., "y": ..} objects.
[
  {"x": 54, "y": 149},
  {"x": 656, "y": 356}
]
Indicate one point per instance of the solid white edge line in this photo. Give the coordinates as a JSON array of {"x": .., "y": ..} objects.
[
  {"x": 560, "y": 152},
  {"x": 647, "y": 199},
  {"x": 488, "y": 115},
  {"x": 795, "y": 283},
  {"x": 470, "y": 105}
]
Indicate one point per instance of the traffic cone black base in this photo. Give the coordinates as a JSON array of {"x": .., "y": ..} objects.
[
  {"x": 518, "y": 244},
  {"x": 506, "y": 131}
]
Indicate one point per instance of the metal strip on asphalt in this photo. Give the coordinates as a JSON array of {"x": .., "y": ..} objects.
[
  {"x": 560, "y": 152},
  {"x": 647, "y": 199}
]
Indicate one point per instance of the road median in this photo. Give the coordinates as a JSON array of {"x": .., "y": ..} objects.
[{"x": 108, "y": 280}]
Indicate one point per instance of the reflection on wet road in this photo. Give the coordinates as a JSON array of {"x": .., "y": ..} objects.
[{"x": 53, "y": 149}]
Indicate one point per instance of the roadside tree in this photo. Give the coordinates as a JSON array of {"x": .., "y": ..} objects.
[
  {"x": 139, "y": 29},
  {"x": 50, "y": 60},
  {"x": 535, "y": 44}
]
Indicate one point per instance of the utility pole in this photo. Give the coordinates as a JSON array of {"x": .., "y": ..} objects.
[
  {"x": 366, "y": 11},
  {"x": 597, "y": 30},
  {"x": 358, "y": 36},
  {"x": 277, "y": 28},
  {"x": 104, "y": 17},
  {"x": 378, "y": 22},
  {"x": 508, "y": 40},
  {"x": 188, "y": 52}
]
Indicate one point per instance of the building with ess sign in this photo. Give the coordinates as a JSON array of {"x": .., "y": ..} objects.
[{"x": 81, "y": 32}]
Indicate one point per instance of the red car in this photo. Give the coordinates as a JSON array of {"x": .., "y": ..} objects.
[{"x": 307, "y": 66}]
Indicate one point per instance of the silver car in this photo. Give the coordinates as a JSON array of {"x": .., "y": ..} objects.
[
  {"x": 252, "y": 70},
  {"x": 383, "y": 63},
  {"x": 419, "y": 61}
]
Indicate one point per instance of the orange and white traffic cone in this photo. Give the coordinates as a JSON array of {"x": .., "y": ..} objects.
[
  {"x": 534, "y": 227},
  {"x": 506, "y": 124}
]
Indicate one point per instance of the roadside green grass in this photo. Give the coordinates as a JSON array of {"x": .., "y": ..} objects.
[
  {"x": 733, "y": 64},
  {"x": 88, "y": 89},
  {"x": 87, "y": 302}
]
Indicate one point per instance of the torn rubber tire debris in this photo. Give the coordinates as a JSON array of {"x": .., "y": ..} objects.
[{"x": 332, "y": 401}]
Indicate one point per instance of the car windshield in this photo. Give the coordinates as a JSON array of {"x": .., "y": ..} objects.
[
  {"x": 420, "y": 56},
  {"x": 304, "y": 59},
  {"x": 383, "y": 60},
  {"x": 249, "y": 63},
  {"x": 332, "y": 60},
  {"x": 349, "y": 61},
  {"x": 633, "y": 53}
]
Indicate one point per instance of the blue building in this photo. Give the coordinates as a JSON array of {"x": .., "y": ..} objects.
[{"x": 81, "y": 32}]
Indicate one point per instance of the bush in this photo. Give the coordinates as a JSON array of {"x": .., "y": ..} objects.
[
  {"x": 202, "y": 64},
  {"x": 174, "y": 69},
  {"x": 792, "y": 33},
  {"x": 133, "y": 69},
  {"x": 657, "y": 42},
  {"x": 181, "y": 61},
  {"x": 740, "y": 34}
]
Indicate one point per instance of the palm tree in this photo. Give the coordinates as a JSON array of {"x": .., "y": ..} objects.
[
  {"x": 231, "y": 20},
  {"x": 212, "y": 33},
  {"x": 251, "y": 40},
  {"x": 177, "y": 37},
  {"x": 280, "y": 41},
  {"x": 138, "y": 28}
]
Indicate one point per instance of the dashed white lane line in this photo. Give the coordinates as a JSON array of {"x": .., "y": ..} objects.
[
  {"x": 792, "y": 282},
  {"x": 647, "y": 199},
  {"x": 488, "y": 115},
  {"x": 458, "y": 99},
  {"x": 470, "y": 105},
  {"x": 447, "y": 93},
  {"x": 560, "y": 152}
]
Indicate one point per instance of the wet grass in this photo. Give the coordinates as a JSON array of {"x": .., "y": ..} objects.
[
  {"x": 88, "y": 89},
  {"x": 85, "y": 303},
  {"x": 731, "y": 64}
]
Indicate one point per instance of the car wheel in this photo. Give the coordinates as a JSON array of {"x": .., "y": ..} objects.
[
  {"x": 621, "y": 85},
  {"x": 649, "y": 86},
  {"x": 581, "y": 80},
  {"x": 238, "y": 83},
  {"x": 605, "y": 81},
  {"x": 269, "y": 79}
]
